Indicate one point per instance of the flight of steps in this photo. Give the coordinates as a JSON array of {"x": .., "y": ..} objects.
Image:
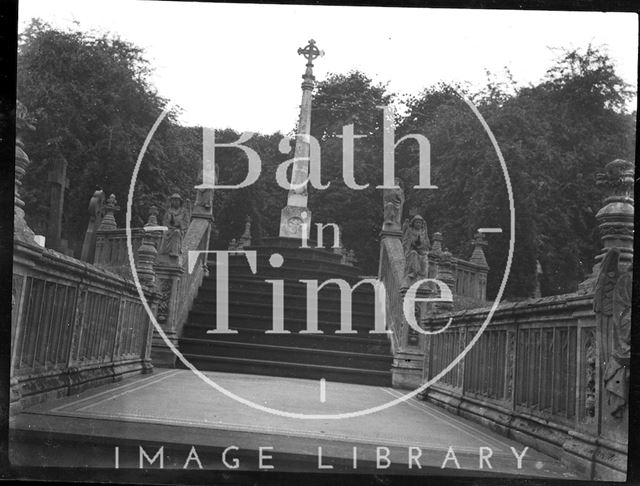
[{"x": 353, "y": 358}]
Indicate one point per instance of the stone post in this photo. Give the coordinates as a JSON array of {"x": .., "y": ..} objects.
[
  {"x": 148, "y": 250},
  {"x": 21, "y": 230},
  {"x": 479, "y": 243}
]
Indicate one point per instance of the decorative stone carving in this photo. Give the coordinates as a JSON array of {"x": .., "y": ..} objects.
[
  {"x": 96, "y": 212},
  {"x": 590, "y": 355},
  {"x": 616, "y": 217},
  {"x": 511, "y": 363},
  {"x": 415, "y": 242},
  {"x": 165, "y": 285},
  {"x": 147, "y": 251},
  {"x": 21, "y": 230},
  {"x": 393, "y": 203},
  {"x": 245, "y": 239},
  {"x": 203, "y": 205},
  {"x": 437, "y": 242},
  {"x": 612, "y": 305},
  {"x": 176, "y": 219},
  {"x": 153, "y": 216},
  {"x": 233, "y": 244},
  {"x": 445, "y": 275},
  {"x": 109, "y": 220}
]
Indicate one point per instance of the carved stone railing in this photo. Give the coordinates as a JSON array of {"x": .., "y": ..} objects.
[
  {"x": 179, "y": 287},
  {"x": 390, "y": 274},
  {"x": 407, "y": 343},
  {"x": 196, "y": 239},
  {"x": 73, "y": 326},
  {"x": 553, "y": 373},
  {"x": 532, "y": 376}
]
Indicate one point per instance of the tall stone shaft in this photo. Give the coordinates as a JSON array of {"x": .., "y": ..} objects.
[{"x": 296, "y": 213}]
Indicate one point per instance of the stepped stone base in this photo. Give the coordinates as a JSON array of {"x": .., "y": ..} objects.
[{"x": 358, "y": 357}]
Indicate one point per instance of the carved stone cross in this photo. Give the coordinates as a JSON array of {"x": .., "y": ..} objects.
[{"x": 310, "y": 52}]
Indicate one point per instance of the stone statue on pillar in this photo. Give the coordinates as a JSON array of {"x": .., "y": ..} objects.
[
  {"x": 415, "y": 242},
  {"x": 393, "y": 203},
  {"x": 176, "y": 219}
]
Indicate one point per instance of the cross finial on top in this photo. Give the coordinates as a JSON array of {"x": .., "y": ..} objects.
[{"x": 310, "y": 52}]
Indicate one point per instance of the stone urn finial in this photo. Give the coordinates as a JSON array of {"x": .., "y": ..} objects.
[
  {"x": 437, "y": 242},
  {"x": 615, "y": 219},
  {"x": 109, "y": 220},
  {"x": 152, "y": 219}
]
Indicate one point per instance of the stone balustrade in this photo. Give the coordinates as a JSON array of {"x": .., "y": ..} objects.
[
  {"x": 74, "y": 325},
  {"x": 551, "y": 372},
  {"x": 532, "y": 375},
  {"x": 111, "y": 250}
]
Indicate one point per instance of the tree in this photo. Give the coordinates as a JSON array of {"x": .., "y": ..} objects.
[
  {"x": 555, "y": 137},
  {"x": 93, "y": 105}
]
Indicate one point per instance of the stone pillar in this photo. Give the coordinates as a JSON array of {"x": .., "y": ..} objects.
[
  {"x": 21, "y": 230},
  {"x": 148, "y": 250},
  {"x": 479, "y": 243},
  {"x": 168, "y": 282},
  {"x": 296, "y": 213}
]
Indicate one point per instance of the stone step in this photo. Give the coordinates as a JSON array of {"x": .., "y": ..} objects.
[
  {"x": 260, "y": 308},
  {"x": 363, "y": 294},
  {"x": 246, "y": 315},
  {"x": 361, "y": 342},
  {"x": 292, "y": 370},
  {"x": 286, "y": 354}
]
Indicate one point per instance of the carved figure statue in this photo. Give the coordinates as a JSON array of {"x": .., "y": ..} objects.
[
  {"x": 204, "y": 197},
  {"x": 176, "y": 219},
  {"x": 612, "y": 305},
  {"x": 415, "y": 242},
  {"x": 392, "y": 202}
]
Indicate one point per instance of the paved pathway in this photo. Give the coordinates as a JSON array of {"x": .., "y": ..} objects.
[{"x": 177, "y": 409}]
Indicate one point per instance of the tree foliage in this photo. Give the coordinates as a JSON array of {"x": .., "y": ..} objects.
[{"x": 94, "y": 106}]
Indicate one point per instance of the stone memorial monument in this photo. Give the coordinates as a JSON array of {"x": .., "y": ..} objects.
[{"x": 296, "y": 213}]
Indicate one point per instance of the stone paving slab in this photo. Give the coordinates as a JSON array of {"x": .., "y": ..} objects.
[{"x": 177, "y": 409}]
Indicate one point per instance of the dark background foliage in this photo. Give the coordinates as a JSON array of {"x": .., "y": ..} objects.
[{"x": 93, "y": 105}]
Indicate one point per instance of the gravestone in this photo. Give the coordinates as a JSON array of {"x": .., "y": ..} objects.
[{"x": 58, "y": 183}]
